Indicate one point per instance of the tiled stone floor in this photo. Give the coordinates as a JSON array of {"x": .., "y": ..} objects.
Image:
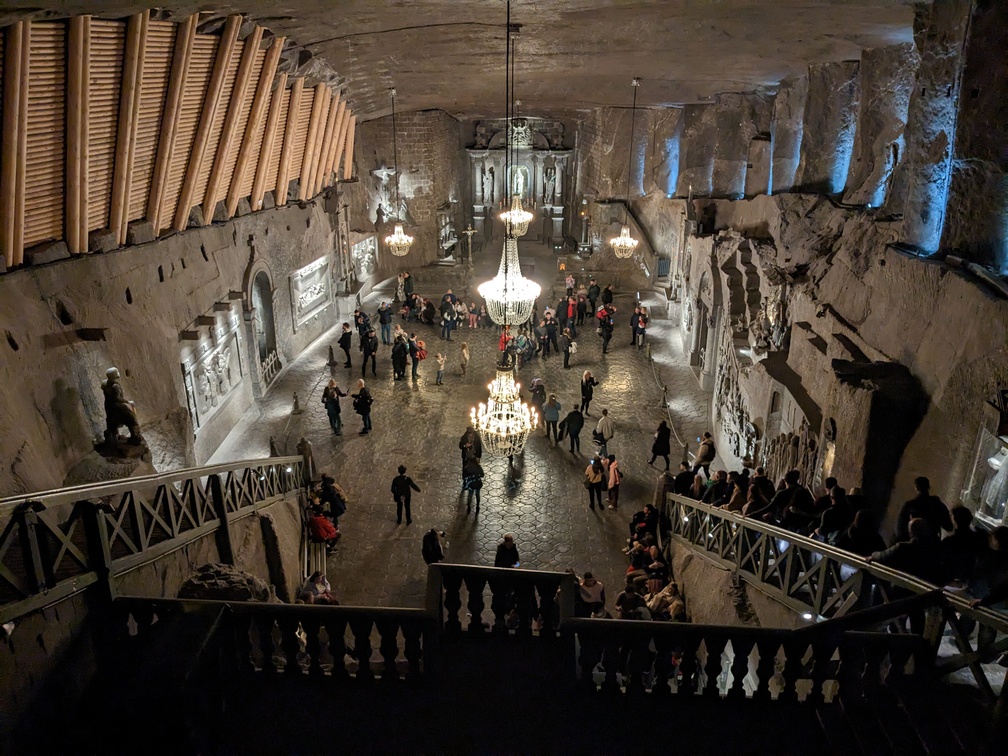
[{"x": 543, "y": 503}]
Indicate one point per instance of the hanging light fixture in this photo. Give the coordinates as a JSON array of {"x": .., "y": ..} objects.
[
  {"x": 398, "y": 241},
  {"x": 509, "y": 295},
  {"x": 505, "y": 422},
  {"x": 517, "y": 219},
  {"x": 623, "y": 246}
]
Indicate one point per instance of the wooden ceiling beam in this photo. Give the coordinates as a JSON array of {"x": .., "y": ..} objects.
[
  {"x": 269, "y": 138},
  {"x": 290, "y": 129},
  {"x": 319, "y": 103},
  {"x": 129, "y": 115}
]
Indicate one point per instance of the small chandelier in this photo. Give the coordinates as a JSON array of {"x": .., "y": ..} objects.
[
  {"x": 517, "y": 219},
  {"x": 504, "y": 422},
  {"x": 623, "y": 246},
  {"x": 509, "y": 295},
  {"x": 398, "y": 241}
]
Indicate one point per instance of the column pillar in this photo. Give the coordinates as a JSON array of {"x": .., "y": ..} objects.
[
  {"x": 828, "y": 127},
  {"x": 786, "y": 132}
]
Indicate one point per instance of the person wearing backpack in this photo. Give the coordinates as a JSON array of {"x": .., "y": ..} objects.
[
  {"x": 705, "y": 454},
  {"x": 615, "y": 478},
  {"x": 362, "y": 406},
  {"x": 414, "y": 353},
  {"x": 472, "y": 482}
]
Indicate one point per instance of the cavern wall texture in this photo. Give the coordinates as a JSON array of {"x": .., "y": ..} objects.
[
  {"x": 432, "y": 177},
  {"x": 142, "y": 309}
]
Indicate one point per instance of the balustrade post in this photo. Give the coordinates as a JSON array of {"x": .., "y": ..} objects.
[
  {"x": 99, "y": 553},
  {"x": 361, "y": 630},
  {"x": 31, "y": 551},
  {"x": 474, "y": 587},
  {"x": 388, "y": 631},
  {"x": 223, "y": 533}
]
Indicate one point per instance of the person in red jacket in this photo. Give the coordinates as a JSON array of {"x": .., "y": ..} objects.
[{"x": 321, "y": 529}]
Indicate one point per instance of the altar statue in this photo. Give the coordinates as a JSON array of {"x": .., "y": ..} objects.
[
  {"x": 549, "y": 185},
  {"x": 488, "y": 186}
]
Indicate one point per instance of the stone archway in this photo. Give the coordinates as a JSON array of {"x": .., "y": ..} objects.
[{"x": 263, "y": 327}]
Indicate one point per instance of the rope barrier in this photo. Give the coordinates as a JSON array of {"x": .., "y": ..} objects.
[{"x": 665, "y": 404}]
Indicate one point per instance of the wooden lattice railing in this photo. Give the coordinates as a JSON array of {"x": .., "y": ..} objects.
[
  {"x": 814, "y": 578},
  {"x": 57, "y": 543}
]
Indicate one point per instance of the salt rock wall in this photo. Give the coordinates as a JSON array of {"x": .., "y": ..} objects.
[
  {"x": 65, "y": 323},
  {"x": 432, "y": 175}
]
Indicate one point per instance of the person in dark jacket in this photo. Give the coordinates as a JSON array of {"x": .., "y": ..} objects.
[
  {"x": 407, "y": 284},
  {"x": 862, "y": 536},
  {"x": 538, "y": 392},
  {"x": 344, "y": 343},
  {"x": 606, "y": 326},
  {"x": 385, "y": 321},
  {"x": 961, "y": 551},
  {"x": 402, "y": 488},
  {"x": 719, "y": 491},
  {"x": 607, "y": 295},
  {"x": 926, "y": 507},
  {"x": 662, "y": 444},
  {"x": 370, "y": 345},
  {"x": 507, "y": 553},
  {"x": 917, "y": 556},
  {"x": 593, "y": 294},
  {"x": 472, "y": 482},
  {"x": 400, "y": 356},
  {"x": 684, "y": 480},
  {"x": 566, "y": 345},
  {"x": 330, "y": 398},
  {"x": 447, "y": 318},
  {"x": 432, "y": 547},
  {"x": 588, "y": 384},
  {"x": 471, "y": 446},
  {"x": 571, "y": 425},
  {"x": 362, "y": 406}
]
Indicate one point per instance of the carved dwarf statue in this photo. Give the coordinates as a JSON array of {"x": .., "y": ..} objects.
[{"x": 118, "y": 411}]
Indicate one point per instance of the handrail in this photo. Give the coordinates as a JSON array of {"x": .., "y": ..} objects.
[
  {"x": 70, "y": 494},
  {"x": 278, "y": 610},
  {"x": 887, "y": 574},
  {"x": 55, "y": 544}
]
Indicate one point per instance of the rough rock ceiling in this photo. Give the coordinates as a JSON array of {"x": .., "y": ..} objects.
[{"x": 572, "y": 54}]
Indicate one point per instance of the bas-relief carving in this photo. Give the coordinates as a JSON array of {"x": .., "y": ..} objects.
[
  {"x": 364, "y": 258},
  {"x": 212, "y": 375},
  {"x": 311, "y": 290},
  {"x": 792, "y": 451}
]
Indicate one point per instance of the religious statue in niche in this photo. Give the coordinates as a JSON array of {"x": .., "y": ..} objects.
[
  {"x": 118, "y": 411},
  {"x": 549, "y": 184},
  {"x": 488, "y": 185},
  {"x": 688, "y": 315},
  {"x": 520, "y": 181},
  {"x": 208, "y": 389}
]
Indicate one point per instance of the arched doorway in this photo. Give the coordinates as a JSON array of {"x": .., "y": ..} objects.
[{"x": 264, "y": 330}]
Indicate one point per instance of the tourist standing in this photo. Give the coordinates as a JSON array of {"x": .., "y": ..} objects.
[
  {"x": 370, "y": 347},
  {"x": 595, "y": 482},
  {"x": 473, "y": 315},
  {"x": 402, "y": 488},
  {"x": 551, "y": 416},
  {"x": 407, "y": 284},
  {"x": 582, "y": 309},
  {"x": 330, "y": 398},
  {"x": 606, "y": 326},
  {"x": 604, "y": 432},
  {"x": 385, "y": 322},
  {"x": 538, "y": 392},
  {"x": 414, "y": 353},
  {"x": 662, "y": 444},
  {"x": 439, "y": 380},
  {"x": 607, "y": 295},
  {"x": 567, "y": 345},
  {"x": 642, "y": 325},
  {"x": 705, "y": 454},
  {"x": 470, "y": 445},
  {"x": 447, "y": 318},
  {"x": 634, "y": 325},
  {"x": 472, "y": 482},
  {"x": 588, "y": 384},
  {"x": 572, "y": 425},
  {"x": 464, "y": 358},
  {"x": 344, "y": 343},
  {"x": 362, "y": 406},
  {"x": 615, "y": 478},
  {"x": 507, "y": 553},
  {"x": 570, "y": 282},
  {"x": 400, "y": 356},
  {"x": 593, "y": 294}
]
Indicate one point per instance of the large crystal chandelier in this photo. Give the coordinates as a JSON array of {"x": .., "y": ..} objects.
[
  {"x": 398, "y": 241},
  {"x": 509, "y": 295},
  {"x": 504, "y": 422},
  {"x": 517, "y": 219},
  {"x": 623, "y": 246}
]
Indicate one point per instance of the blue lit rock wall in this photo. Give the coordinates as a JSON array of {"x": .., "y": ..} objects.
[
  {"x": 977, "y": 221},
  {"x": 828, "y": 127},
  {"x": 786, "y": 131}
]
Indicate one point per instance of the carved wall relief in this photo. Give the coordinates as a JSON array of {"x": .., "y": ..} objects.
[
  {"x": 212, "y": 370},
  {"x": 311, "y": 290}
]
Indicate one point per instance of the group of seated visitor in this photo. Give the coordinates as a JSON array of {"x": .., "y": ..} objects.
[
  {"x": 930, "y": 541},
  {"x": 327, "y": 502}
]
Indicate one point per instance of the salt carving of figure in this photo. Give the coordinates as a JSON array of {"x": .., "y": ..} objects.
[
  {"x": 550, "y": 185},
  {"x": 488, "y": 186},
  {"x": 118, "y": 411},
  {"x": 519, "y": 183}
]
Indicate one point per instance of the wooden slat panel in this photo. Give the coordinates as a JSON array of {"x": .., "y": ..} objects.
[
  {"x": 325, "y": 144},
  {"x": 341, "y": 142},
  {"x": 44, "y": 160},
  {"x": 301, "y": 134},
  {"x": 321, "y": 100},
  {"x": 348, "y": 152},
  {"x": 235, "y": 124},
  {"x": 272, "y": 173},
  {"x": 252, "y": 141},
  {"x": 271, "y": 136},
  {"x": 77, "y": 88},
  {"x": 153, "y": 87},
  {"x": 107, "y": 50},
  {"x": 290, "y": 132},
  {"x": 339, "y": 132},
  {"x": 198, "y": 76},
  {"x": 217, "y": 128},
  {"x": 11, "y": 163},
  {"x": 210, "y": 120}
]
